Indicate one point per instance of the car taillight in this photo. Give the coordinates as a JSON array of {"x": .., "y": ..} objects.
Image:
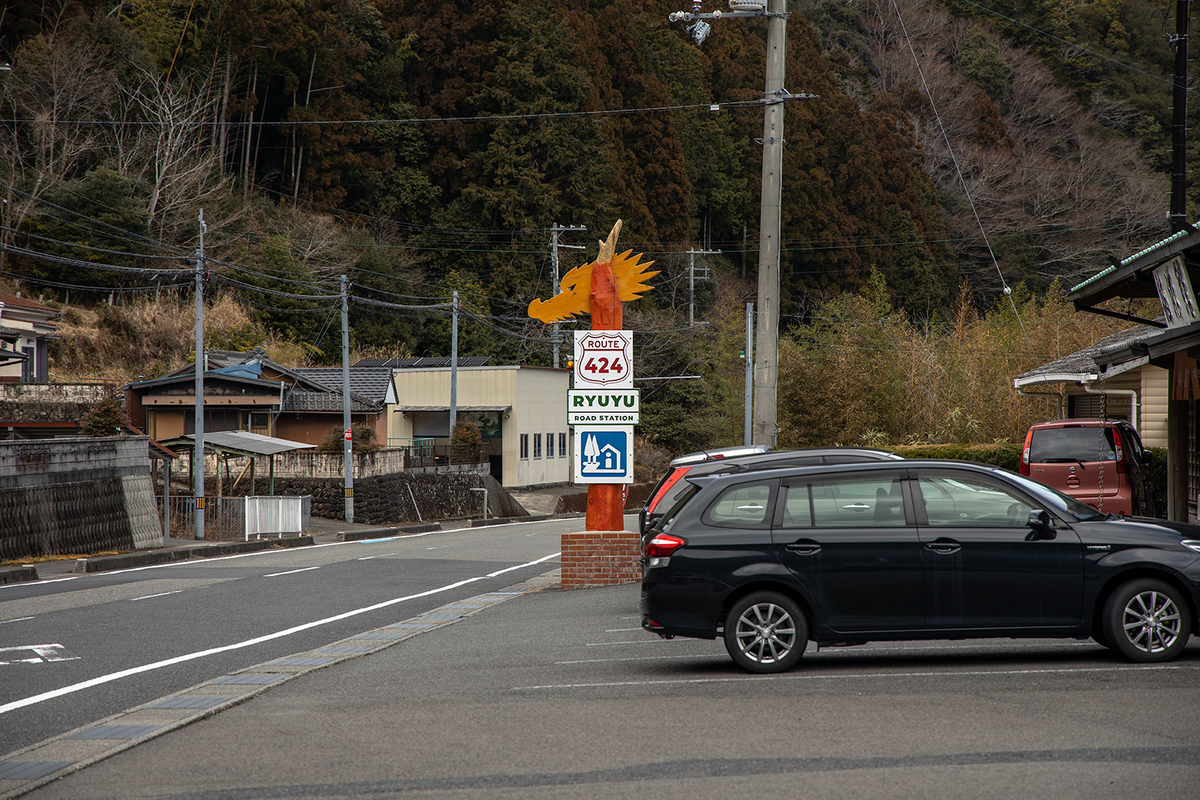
[
  {"x": 663, "y": 545},
  {"x": 1120, "y": 451},
  {"x": 666, "y": 487},
  {"x": 1024, "y": 466}
]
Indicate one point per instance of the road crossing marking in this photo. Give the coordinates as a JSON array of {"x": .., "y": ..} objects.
[{"x": 42, "y": 653}]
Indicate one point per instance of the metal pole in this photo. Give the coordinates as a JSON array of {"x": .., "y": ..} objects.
[
  {"x": 554, "y": 330},
  {"x": 453, "y": 369},
  {"x": 747, "y": 437},
  {"x": 767, "y": 339},
  {"x": 691, "y": 288},
  {"x": 348, "y": 432},
  {"x": 201, "y": 364}
]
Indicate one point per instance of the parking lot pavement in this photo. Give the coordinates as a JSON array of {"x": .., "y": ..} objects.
[{"x": 560, "y": 694}]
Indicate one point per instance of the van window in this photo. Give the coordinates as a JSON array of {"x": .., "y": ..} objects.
[{"x": 1049, "y": 445}]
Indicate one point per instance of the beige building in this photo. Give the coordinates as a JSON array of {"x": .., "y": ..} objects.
[
  {"x": 521, "y": 411},
  {"x": 1136, "y": 390}
]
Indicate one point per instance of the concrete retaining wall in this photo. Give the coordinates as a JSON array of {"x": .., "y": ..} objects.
[{"x": 79, "y": 495}]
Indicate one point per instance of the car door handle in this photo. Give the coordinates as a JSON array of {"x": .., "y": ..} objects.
[
  {"x": 857, "y": 507},
  {"x": 943, "y": 546},
  {"x": 804, "y": 547}
]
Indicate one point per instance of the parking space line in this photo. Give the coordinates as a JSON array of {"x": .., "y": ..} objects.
[{"x": 851, "y": 676}]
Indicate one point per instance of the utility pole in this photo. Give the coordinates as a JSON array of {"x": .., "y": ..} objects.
[
  {"x": 1178, "y": 215},
  {"x": 692, "y": 282},
  {"x": 766, "y": 355},
  {"x": 347, "y": 426},
  {"x": 766, "y": 367},
  {"x": 201, "y": 363},
  {"x": 555, "y": 333}
]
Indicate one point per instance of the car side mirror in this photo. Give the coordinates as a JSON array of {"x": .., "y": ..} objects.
[{"x": 1041, "y": 525}]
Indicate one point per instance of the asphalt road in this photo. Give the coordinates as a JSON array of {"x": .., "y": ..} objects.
[
  {"x": 176, "y": 625},
  {"x": 558, "y": 694}
]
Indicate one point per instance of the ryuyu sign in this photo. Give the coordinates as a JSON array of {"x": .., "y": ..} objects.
[
  {"x": 603, "y": 406},
  {"x": 603, "y": 455},
  {"x": 604, "y": 359}
]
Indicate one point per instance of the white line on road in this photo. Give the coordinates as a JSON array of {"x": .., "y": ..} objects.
[
  {"x": 14, "y": 619},
  {"x": 170, "y": 662},
  {"x": 289, "y": 572},
  {"x": 39, "y": 583},
  {"x": 647, "y": 640},
  {"x": 635, "y": 658},
  {"x": 852, "y": 676},
  {"x": 160, "y": 594},
  {"x": 622, "y": 630}
]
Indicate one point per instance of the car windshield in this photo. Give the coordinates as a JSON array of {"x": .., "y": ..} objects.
[{"x": 1055, "y": 500}]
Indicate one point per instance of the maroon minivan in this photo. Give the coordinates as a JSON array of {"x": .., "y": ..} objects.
[{"x": 1098, "y": 462}]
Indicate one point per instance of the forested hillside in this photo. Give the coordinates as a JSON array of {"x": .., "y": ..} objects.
[{"x": 420, "y": 147}]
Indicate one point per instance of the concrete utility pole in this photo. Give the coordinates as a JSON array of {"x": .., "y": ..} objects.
[
  {"x": 766, "y": 367},
  {"x": 555, "y": 333},
  {"x": 1178, "y": 215},
  {"x": 766, "y": 351},
  {"x": 347, "y": 426},
  {"x": 201, "y": 363}
]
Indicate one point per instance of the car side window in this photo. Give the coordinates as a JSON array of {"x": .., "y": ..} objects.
[
  {"x": 743, "y": 505},
  {"x": 966, "y": 501},
  {"x": 855, "y": 500},
  {"x": 797, "y": 506}
]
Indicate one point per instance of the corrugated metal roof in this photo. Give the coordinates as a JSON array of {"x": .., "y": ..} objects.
[{"x": 246, "y": 442}]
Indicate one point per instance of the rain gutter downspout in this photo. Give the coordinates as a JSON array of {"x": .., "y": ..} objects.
[{"x": 1130, "y": 393}]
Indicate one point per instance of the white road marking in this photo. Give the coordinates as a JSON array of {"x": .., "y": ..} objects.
[
  {"x": 853, "y": 676},
  {"x": 500, "y": 572},
  {"x": 125, "y": 673},
  {"x": 636, "y": 658},
  {"x": 39, "y": 583},
  {"x": 647, "y": 640},
  {"x": 622, "y": 630},
  {"x": 42, "y": 653},
  {"x": 160, "y": 594},
  {"x": 15, "y": 619},
  {"x": 289, "y": 572}
]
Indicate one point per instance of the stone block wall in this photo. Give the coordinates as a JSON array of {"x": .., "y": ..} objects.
[
  {"x": 407, "y": 497},
  {"x": 600, "y": 558},
  {"x": 78, "y": 495}
]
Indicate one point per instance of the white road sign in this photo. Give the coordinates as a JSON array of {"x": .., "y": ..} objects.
[
  {"x": 603, "y": 406},
  {"x": 604, "y": 359},
  {"x": 603, "y": 455}
]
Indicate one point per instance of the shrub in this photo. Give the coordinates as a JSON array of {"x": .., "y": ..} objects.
[{"x": 363, "y": 440}]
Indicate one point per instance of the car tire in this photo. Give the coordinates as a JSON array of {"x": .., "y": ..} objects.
[
  {"x": 1147, "y": 620},
  {"x": 766, "y": 632}
]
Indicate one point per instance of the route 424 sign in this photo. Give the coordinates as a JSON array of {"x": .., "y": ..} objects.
[{"x": 604, "y": 359}]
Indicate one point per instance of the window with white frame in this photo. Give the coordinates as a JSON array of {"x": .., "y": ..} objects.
[
  {"x": 537, "y": 445},
  {"x": 524, "y": 446}
]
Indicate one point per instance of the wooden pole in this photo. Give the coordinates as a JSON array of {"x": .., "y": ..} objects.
[{"x": 606, "y": 501}]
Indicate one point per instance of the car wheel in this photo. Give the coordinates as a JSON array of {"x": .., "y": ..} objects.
[
  {"x": 1147, "y": 620},
  {"x": 766, "y": 632}
]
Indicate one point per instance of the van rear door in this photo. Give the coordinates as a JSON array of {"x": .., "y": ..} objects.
[{"x": 1077, "y": 460}]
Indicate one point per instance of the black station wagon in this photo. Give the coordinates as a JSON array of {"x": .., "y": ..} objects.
[{"x": 845, "y": 554}]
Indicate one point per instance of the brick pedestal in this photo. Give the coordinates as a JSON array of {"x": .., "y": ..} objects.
[{"x": 600, "y": 558}]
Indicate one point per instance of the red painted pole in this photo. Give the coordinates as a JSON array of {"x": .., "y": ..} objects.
[{"x": 606, "y": 501}]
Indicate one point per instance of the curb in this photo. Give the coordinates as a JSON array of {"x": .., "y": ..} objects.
[
  {"x": 17, "y": 575},
  {"x": 151, "y": 557},
  {"x": 383, "y": 533}
]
